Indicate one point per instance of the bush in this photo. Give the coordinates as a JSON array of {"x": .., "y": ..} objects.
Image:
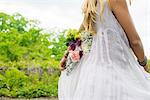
[
  {"x": 24, "y": 45},
  {"x": 15, "y": 83}
]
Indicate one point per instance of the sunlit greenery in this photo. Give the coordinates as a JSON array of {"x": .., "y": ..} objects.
[
  {"x": 25, "y": 47},
  {"x": 24, "y": 44}
]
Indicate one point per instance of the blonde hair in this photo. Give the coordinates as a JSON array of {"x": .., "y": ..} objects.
[{"x": 89, "y": 11}]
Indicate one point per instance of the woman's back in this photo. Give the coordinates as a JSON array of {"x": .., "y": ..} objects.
[
  {"x": 111, "y": 35},
  {"x": 109, "y": 71}
]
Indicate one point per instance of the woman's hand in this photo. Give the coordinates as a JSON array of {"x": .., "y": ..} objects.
[
  {"x": 64, "y": 59},
  {"x": 62, "y": 63},
  {"x": 147, "y": 69},
  {"x": 61, "y": 68}
]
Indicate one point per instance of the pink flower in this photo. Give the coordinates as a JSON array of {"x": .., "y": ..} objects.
[{"x": 75, "y": 56}]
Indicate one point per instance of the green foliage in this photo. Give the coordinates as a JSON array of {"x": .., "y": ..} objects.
[
  {"x": 58, "y": 46},
  {"x": 148, "y": 62},
  {"x": 72, "y": 34},
  {"x": 14, "y": 23},
  {"x": 15, "y": 83},
  {"x": 24, "y": 45}
]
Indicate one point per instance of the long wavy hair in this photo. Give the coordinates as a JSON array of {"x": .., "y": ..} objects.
[{"x": 89, "y": 11}]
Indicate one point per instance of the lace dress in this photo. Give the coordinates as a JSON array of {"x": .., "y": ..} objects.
[{"x": 109, "y": 71}]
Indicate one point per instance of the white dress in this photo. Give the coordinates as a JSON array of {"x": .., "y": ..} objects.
[{"x": 110, "y": 71}]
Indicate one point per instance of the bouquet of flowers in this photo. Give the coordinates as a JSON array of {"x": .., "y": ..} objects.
[{"x": 79, "y": 43}]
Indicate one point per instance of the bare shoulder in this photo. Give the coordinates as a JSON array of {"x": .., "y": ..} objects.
[{"x": 118, "y": 3}]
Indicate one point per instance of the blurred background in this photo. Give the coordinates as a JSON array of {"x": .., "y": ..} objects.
[
  {"x": 32, "y": 42},
  {"x": 67, "y": 14}
]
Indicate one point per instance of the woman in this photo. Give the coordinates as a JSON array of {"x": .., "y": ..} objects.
[{"x": 116, "y": 67}]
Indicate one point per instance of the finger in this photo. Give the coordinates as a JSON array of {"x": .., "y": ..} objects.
[
  {"x": 62, "y": 68},
  {"x": 146, "y": 69}
]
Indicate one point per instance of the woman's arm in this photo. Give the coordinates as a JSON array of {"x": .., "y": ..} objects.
[
  {"x": 121, "y": 12},
  {"x": 120, "y": 9}
]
